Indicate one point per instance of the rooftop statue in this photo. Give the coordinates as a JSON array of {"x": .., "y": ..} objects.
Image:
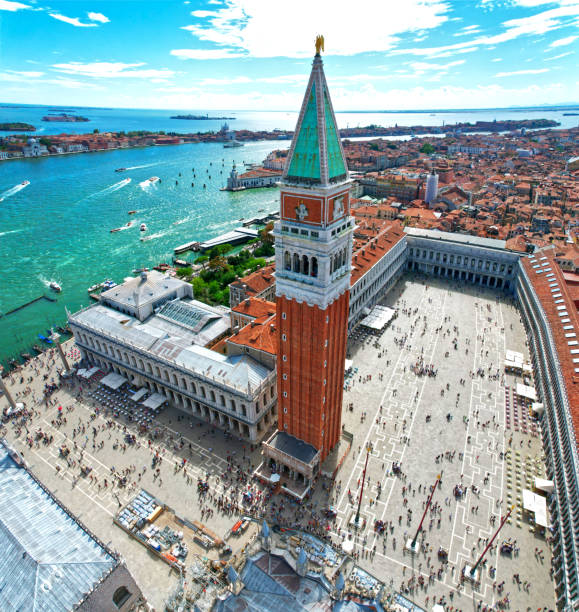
[{"x": 319, "y": 44}]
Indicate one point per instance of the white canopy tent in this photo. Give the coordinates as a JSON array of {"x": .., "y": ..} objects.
[
  {"x": 378, "y": 317},
  {"x": 154, "y": 401},
  {"x": 548, "y": 486},
  {"x": 526, "y": 392},
  {"x": 90, "y": 373},
  {"x": 348, "y": 365},
  {"x": 536, "y": 504},
  {"x": 139, "y": 394},
  {"x": 113, "y": 381}
]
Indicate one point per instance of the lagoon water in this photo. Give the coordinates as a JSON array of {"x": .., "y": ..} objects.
[{"x": 58, "y": 227}]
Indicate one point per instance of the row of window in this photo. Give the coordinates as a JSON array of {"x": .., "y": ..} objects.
[
  {"x": 170, "y": 377},
  {"x": 300, "y": 265},
  {"x": 301, "y": 232},
  {"x": 460, "y": 260}
]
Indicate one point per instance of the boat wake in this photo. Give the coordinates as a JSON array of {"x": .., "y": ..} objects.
[
  {"x": 11, "y": 232},
  {"x": 117, "y": 186},
  {"x": 146, "y": 185},
  {"x": 13, "y": 191},
  {"x": 153, "y": 236},
  {"x": 143, "y": 166},
  {"x": 46, "y": 281}
]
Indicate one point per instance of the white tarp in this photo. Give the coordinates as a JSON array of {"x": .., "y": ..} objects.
[
  {"x": 544, "y": 485},
  {"x": 154, "y": 401},
  {"x": 536, "y": 504},
  {"x": 139, "y": 394},
  {"x": 113, "y": 381},
  {"x": 526, "y": 392},
  {"x": 514, "y": 356},
  {"x": 90, "y": 373},
  {"x": 379, "y": 316}
]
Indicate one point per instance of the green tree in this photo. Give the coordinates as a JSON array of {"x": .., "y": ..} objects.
[
  {"x": 183, "y": 272},
  {"x": 96, "y": 131},
  {"x": 427, "y": 148}
]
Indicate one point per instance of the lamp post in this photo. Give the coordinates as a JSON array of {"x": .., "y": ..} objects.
[
  {"x": 411, "y": 545},
  {"x": 356, "y": 520},
  {"x": 471, "y": 574}
]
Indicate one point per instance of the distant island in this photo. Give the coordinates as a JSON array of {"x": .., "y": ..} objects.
[
  {"x": 65, "y": 118},
  {"x": 570, "y": 114},
  {"x": 202, "y": 118},
  {"x": 17, "y": 127}
]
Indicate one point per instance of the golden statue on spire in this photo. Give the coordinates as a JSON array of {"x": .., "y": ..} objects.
[{"x": 319, "y": 44}]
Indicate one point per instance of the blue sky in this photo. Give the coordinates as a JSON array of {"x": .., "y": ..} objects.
[{"x": 256, "y": 54}]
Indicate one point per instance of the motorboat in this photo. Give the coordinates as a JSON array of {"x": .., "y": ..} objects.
[
  {"x": 139, "y": 270},
  {"x": 154, "y": 179},
  {"x": 120, "y": 169},
  {"x": 25, "y": 183},
  {"x": 55, "y": 286},
  {"x": 95, "y": 287},
  {"x": 132, "y": 212},
  {"x": 143, "y": 227},
  {"x": 117, "y": 229},
  {"x": 232, "y": 144}
]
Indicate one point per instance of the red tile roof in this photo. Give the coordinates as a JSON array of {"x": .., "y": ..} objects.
[
  {"x": 259, "y": 336},
  {"x": 255, "y": 308}
]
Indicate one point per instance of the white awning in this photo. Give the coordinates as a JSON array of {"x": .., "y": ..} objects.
[
  {"x": 536, "y": 504},
  {"x": 544, "y": 485},
  {"x": 379, "y": 316},
  {"x": 90, "y": 373},
  {"x": 139, "y": 394},
  {"x": 514, "y": 356},
  {"x": 154, "y": 401},
  {"x": 538, "y": 407},
  {"x": 113, "y": 381},
  {"x": 348, "y": 365},
  {"x": 526, "y": 391},
  {"x": 81, "y": 372}
]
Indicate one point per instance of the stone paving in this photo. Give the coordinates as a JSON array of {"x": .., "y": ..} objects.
[
  {"x": 396, "y": 403},
  {"x": 406, "y": 422}
]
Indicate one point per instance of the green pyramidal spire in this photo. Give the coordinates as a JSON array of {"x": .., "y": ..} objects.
[{"x": 316, "y": 155}]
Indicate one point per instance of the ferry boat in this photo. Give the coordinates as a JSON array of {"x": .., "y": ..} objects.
[
  {"x": 55, "y": 286},
  {"x": 143, "y": 227},
  {"x": 120, "y": 169}
]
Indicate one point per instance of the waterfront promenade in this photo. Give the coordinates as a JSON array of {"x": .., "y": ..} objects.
[{"x": 390, "y": 406}]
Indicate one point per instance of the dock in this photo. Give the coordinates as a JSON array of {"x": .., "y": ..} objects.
[
  {"x": 188, "y": 246},
  {"x": 272, "y": 216},
  {"x": 237, "y": 236}
]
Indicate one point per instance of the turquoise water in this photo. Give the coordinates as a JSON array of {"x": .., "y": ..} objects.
[
  {"x": 58, "y": 227},
  {"x": 117, "y": 119}
]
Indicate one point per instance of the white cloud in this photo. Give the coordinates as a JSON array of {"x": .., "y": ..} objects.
[
  {"x": 7, "y": 5},
  {"x": 497, "y": 59},
  {"x": 98, "y": 17},
  {"x": 112, "y": 70},
  {"x": 34, "y": 79},
  {"x": 428, "y": 66},
  {"x": 562, "y": 42},
  {"x": 537, "y": 24},
  {"x": 517, "y": 72},
  {"x": 206, "y": 54},
  {"x": 75, "y": 21},
  {"x": 252, "y": 27},
  {"x": 556, "y": 57}
]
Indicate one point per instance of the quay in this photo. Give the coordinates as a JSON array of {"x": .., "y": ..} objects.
[{"x": 273, "y": 216}]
